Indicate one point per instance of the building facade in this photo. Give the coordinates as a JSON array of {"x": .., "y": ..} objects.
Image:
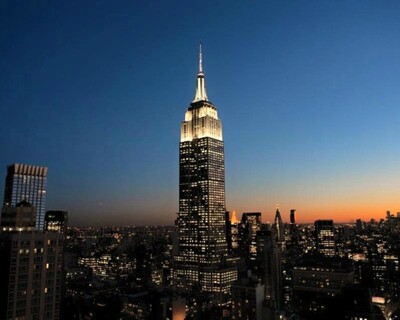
[
  {"x": 56, "y": 220},
  {"x": 27, "y": 182},
  {"x": 270, "y": 269},
  {"x": 325, "y": 237},
  {"x": 247, "y": 300},
  {"x": 317, "y": 281},
  {"x": 293, "y": 216},
  {"x": 31, "y": 268},
  {"x": 22, "y": 217},
  {"x": 278, "y": 226},
  {"x": 249, "y": 226},
  {"x": 202, "y": 259}
]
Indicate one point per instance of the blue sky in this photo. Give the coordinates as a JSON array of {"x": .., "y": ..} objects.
[{"x": 308, "y": 93}]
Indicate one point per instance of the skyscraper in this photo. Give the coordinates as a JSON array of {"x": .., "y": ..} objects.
[
  {"x": 249, "y": 226},
  {"x": 278, "y": 226},
  {"x": 270, "y": 262},
  {"x": 27, "y": 182},
  {"x": 325, "y": 237},
  {"x": 293, "y": 228},
  {"x": 22, "y": 217},
  {"x": 234, "y": 232},
  {"x": 56, "y": 220},
  {"x": 293, "y": 216},
  {"x": 31, "y": 267},
  {"x": 203, "y": 252}
]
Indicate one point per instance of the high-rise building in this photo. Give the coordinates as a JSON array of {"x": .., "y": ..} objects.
[
  {"x": 278, "y": 226},
  {"x": 270, "y": 269},
  {"x": 31, "y": 267},
  {"x": 202, "y": 261},
  {"x": 228, "y": 232},
  {"x": 27, "y": 182},
  {"x": 293, "y": 216},
  {"x": 325, "y": 237},
  {"x": 316, "y": 280},
  {"x": 56, "y": 220},
  {"x": 249, "y": 226},
  {"x": 359, "y": 226},
  {"x": 293, "y": 229},
  {"x": 234, "y": 232},
  {"x": 22, "y": 217},
  {"x": 247, "y": 299}
]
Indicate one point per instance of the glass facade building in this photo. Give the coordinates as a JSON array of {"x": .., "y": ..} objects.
[
  {"x": 27, "y": 183},
  {"x": 202, "y": 259}
]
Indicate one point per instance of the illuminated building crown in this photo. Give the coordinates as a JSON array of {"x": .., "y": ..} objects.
[{"x": 201, "y": 118}]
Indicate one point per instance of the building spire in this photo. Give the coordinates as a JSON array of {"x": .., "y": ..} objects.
[
  {"x": 201, "y": 93},
  {"x": 200, "y": 61}
]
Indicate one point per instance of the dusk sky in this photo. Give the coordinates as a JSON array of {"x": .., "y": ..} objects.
[{"x": 308, "y": 93}]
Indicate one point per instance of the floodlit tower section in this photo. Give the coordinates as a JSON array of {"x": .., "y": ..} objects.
[
  {"x": 203, "y": 250},
  {"x": 201, "y": 121},
  {"x": 201, "y": 118}
]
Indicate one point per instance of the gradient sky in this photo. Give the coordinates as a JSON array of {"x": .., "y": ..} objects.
[{"x": 308, "y": 93}]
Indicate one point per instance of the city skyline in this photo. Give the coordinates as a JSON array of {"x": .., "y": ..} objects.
[{"x": 309, "y": 103}]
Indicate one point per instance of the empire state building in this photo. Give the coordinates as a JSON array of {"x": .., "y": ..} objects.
[{"x": 202, "y": 262}]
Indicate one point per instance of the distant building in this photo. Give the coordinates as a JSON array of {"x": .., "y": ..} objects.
[
  {"x": 292, "y": 216},
  {"x": 249, "y": 226},
  {"x": 270, "y": 269},
  {"x": 359, "y": 226},
  {"x": 27, "y": 182},
  {"x": 31, "y": 268},
  {"x": 247, "y": 300},
  {"x": 316, "y": 280},
  {"x": 228, "y": 231},
  {"x": 293, "y": 237},
  {"x": 148, "y": 305},
  {"x": 325, "y": 237},
  {"x": 278, "y": 226},
  {"x": 234, "y": 224},
  {"x": 327, "y": 275},
  {"x": 56, "y": 221}
]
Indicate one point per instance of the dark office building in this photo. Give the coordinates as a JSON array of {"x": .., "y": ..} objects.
[
  {"x": 278, "y": 226},
  {"x": 56, "y": 221},
  {"x": 247, "y": 299},
  {"x": 270, "y": 269},
  {"x": 316, "y": 280},
  {"x": 228, "y": 231},
  {"x": 325, "y": 237},
  {"x": 22, "y": 217},
  {"x": 27, "y": 182},
  {"x": 31, "y": 268},
  {"x": 248, "y": 228},
  {"x": 359, "y": 226},
  {"x": 234, "y": 224},
  {"x": 292, "y": 216}
]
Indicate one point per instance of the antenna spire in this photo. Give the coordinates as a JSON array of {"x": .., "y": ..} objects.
[
  {"x": 201, "y": 94},
  {"x": 200, "y": 60}
]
